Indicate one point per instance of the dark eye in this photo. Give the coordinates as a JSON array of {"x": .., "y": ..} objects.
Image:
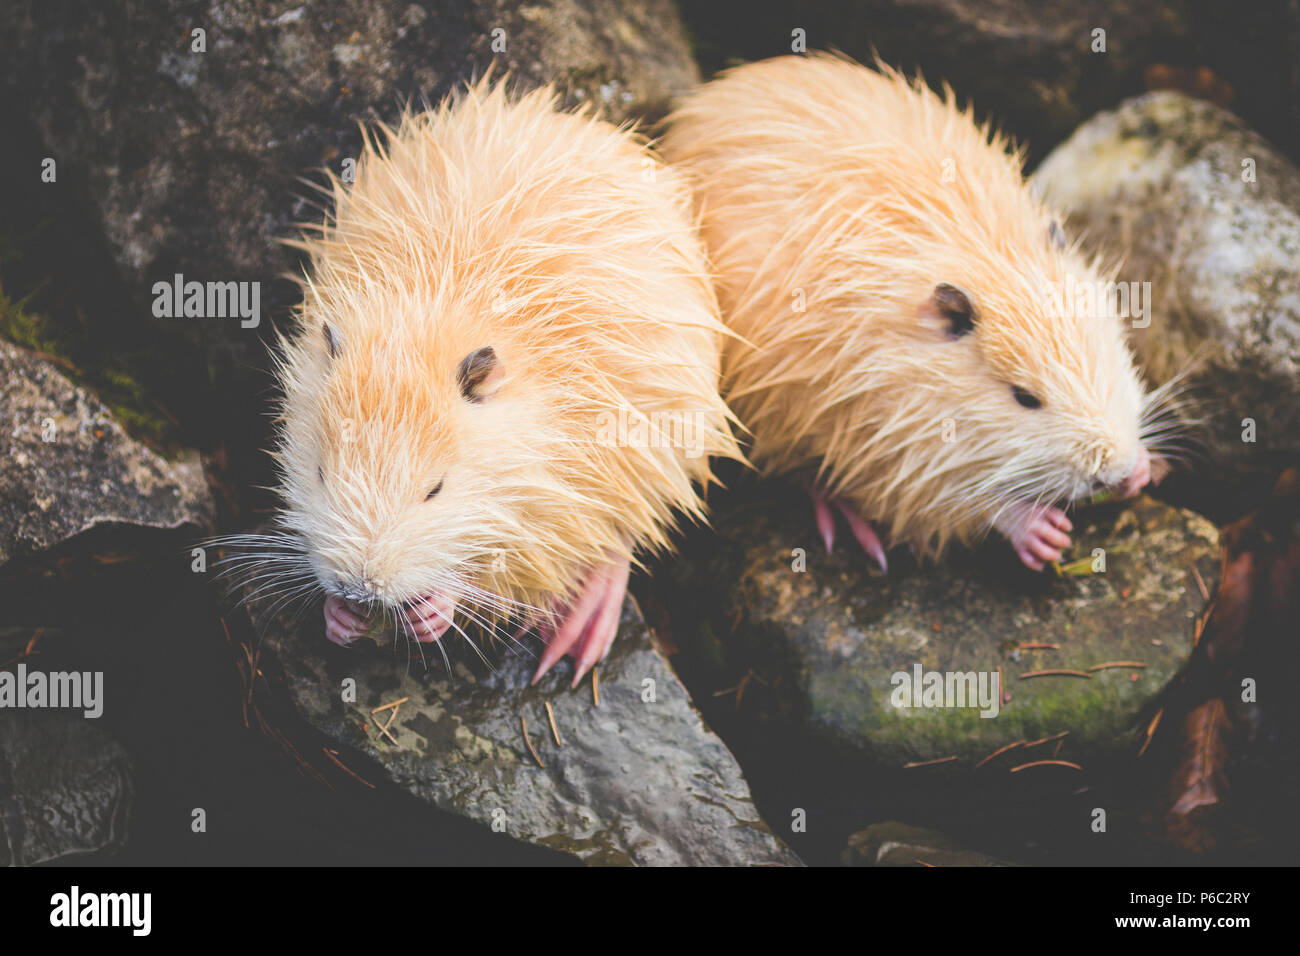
[
  {"x": 1026, "y": 399},
  {"x": 320, "y": 473},
  {"x": 436, "y": 488}
]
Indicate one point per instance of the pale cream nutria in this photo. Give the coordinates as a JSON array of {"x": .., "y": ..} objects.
[
  {"x": 891, "y": 276},
  {"x": 504, "y": 379}
]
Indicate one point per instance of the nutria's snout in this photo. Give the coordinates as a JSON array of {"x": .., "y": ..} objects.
[
  {"x": 363, "y": 594},
  {"x": 1129, "y": 484}
]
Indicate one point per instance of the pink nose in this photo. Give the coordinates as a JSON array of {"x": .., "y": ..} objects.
[{"x": 1138, "y": 478}]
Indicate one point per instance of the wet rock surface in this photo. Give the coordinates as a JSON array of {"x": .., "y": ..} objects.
[
  {"x": 637, "y": 781},
  {"x": 1207, "y": 212},
  {"x": 1036, "y": 67},
  {"x": 822, "y": 646},
  {"x": 898, "y": 844},
  {"x": 193, "y": 158},
  {"x": 67, "y": 467},
  {"x": 65, "y": 789}
]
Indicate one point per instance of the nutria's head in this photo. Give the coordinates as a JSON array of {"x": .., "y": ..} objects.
[
  {"x": 1027, "y": 340},
  {"x": 399, "y": 465}
]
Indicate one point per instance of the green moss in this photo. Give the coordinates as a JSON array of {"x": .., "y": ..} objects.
[
  {"x": 107, "y": 374},
  {"x": 22, "y": 328}
]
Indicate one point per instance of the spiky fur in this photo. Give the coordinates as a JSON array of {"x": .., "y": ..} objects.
[
  {"x": 821, "y": 184},
  {"x": 566, "y": 246}
]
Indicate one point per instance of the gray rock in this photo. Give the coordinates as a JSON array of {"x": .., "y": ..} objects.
[
  {"x": 66, "y": 466},
  {"x": 824, "y": 644},
  {"x": 636, "y": 782},
  {"x": 193, "y": 157},
  {"x": 1032, "y": 67},
  {"x": 1162, "y": 181},
  {"x": 898, "y": 844},
  {"x": 65, "y": 788}
]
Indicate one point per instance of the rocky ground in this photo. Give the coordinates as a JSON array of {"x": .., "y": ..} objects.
[{"x": 745, "y": 715}]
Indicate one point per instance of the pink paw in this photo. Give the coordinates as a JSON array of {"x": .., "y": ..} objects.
[
  {"x": 427, "y": 618},
  {"x": 585, "y": 629},
  {"x": 1041, "y": 537},
  {"x": 861, "y": 528},
  {"x": 344, "y": 621},
  {"x": 1139, "y": 478}
]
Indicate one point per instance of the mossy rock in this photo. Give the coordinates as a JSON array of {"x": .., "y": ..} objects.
[{"x": 827, "y": 641}]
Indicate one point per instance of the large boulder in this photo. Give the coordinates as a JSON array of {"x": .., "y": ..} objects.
[
  {"x": 1038, "y": 70},
  {"x": 66, "y": 466},
  {"x": 637, "y": 779},
  {"x": 1208, "y": 213},
  {"x": 193, "y": 157},
  {"x": 828, "y": 653}
]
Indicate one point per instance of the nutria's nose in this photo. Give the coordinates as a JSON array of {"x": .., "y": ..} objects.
[{"x": 362, "y": 591}]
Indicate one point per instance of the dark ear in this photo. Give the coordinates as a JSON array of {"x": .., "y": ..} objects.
[
  {"x": 1056, "y": 236},
  {"x": 332, "y": 341},
  {"x": 951, "y": 308},
  {"x": 480, "y": 374}
]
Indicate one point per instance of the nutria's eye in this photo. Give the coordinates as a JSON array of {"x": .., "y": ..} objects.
[
  {"x": 320, "y": 473},
  {"x": 1025, "y": 398},
  {"x": 436, "y": 488},
  {"x": 954, "y": 306}
]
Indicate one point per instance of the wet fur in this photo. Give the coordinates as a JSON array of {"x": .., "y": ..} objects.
[
  {"x": 821, "y": 183},
  {"x": 564, "y": 245}
]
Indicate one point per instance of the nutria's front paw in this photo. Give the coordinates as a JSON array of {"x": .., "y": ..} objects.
[
  {"x": 585, "y": 629},
  {"x": 343, "y": 624},
  {"x": 1139, "y": 478},
  {"x": 1041, "y": 536},
  {"x": 427, "y": 618}
]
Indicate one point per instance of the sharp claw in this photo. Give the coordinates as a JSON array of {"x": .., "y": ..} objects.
[
  {"x": 550, "y": 655},
  {"x": 604, "y": 627},
  {"x": 587, "y": 629},
  {"x": 825, "y": 519},
  {"x": 862, "y": 529},
  {"x": 866, "y": 535},
  {"x": 588, "y": 652}
]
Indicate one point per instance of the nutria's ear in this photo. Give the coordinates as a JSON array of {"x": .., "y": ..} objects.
[
  {"x": 332, "y": 341},
  {"x": 480, "y": 374},
  {"x": 951, "y": 308},
  {"x": 1056, "y": 236}
]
